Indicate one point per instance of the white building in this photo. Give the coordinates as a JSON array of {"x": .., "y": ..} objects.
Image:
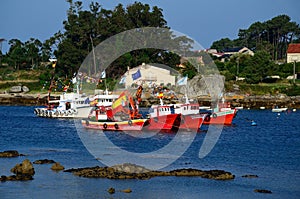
[
  {"x": 293, "y": 53},
  {"x": 150, "y": 75}
]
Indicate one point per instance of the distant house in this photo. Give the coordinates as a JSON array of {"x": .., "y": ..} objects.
[
  {"x": 150, "y": 75},
  {"x": 239, "y": 50},
  {"x": 293, "y": 53}
]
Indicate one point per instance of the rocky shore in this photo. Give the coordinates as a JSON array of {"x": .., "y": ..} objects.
[
  {"x": 23, "y": 99},
  {"x": 252, "y": 101}
]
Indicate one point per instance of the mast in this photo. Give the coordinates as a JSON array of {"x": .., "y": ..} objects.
[{"x": 52, "y": 82}]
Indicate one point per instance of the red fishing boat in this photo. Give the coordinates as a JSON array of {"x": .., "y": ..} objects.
[
  {"x": 163, "y": 117},
  {"x": 191, "y": 119},
  {"x": 222, "y": 114},
  {"x": 118, "y": 117}
]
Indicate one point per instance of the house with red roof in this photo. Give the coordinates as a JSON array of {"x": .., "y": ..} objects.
[{"x": 293, "y": 53}]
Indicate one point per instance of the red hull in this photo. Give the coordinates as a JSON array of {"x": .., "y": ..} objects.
[
  {"x": 165, "y": 122},
  {"x": 192, "y": 122},
  {"x": 223, "y": 118},
  {"x": 134, "y": 125}
]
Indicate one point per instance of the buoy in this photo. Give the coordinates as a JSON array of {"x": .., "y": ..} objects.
[{"x": 253, "y": 123}]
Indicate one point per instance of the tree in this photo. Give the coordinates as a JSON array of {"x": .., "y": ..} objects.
[
  {"x": 32, "y": 48},
  {"x": 258, "y": 67},
  {"x": 16, "y": 53},
  {"x": 222, "y": 44},
  {"x": 85, "y": 29}
]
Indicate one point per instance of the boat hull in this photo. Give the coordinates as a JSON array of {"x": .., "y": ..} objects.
[
  {"x": 222, "y": 117},
  {"x": 81, "y": 112},
  {"x": 278, "y": 110},
  {"x": 131, "y": 125},
  {"x": 192, "y": 122},
  {"x": 164, "y": 122}
]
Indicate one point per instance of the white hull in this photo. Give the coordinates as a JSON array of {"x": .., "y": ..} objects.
[
  {"x": 81, "y": 112},
  {"x": 277, "y": 110}
]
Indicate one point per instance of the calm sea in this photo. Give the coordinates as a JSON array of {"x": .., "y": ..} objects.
[{"x": 270, "y": 150}]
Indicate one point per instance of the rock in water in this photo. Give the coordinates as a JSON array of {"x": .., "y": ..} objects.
[
  {"x": 262, "y": 191},
  {"x": 127, "y": 190},
  {"x": 25, "y": 168},
  {"x": 250, "y": 176},
  {"x": 111, "y": 190},
  {"x": 23, "y": 171},
  {"x": 132, "y": 171},
  {"x": 57, "y": 167},
  {"x": 45, "y": 161},
  {"x": 8, "y": 154}
]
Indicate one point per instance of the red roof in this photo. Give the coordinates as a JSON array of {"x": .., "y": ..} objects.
[{"x": 293, "y": 48}]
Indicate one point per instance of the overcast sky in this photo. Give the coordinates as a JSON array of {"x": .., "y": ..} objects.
[{"x": 204, "y": 21}]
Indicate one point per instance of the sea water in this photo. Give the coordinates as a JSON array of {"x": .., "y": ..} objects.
[{"x": 270, "y": 150}]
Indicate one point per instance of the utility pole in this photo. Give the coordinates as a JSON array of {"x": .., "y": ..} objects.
[{"x": 294, "y": 72}]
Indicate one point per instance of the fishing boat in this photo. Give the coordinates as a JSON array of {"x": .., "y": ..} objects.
[
  {"x": 70, "y": 105},
  {"x": 103, "y": 119},
  {"x": 222, "y": 114},
  {"x": 276, "y": 109},
  {"x": 163, "y": 118},
  {"x": 122, "y": 115},
  {"x": 103, "y": 98},
  {"x": 191, "y": 118},
  {"x": 74, "y": 105},
  {"x": 178, "y": 116}
]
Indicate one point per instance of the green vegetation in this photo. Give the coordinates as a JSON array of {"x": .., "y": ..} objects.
[
  {"x": 84, "y": 29},
  {"x": 272, "y": 36}
]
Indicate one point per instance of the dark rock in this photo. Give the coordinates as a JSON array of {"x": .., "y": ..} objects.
[
  {"x": 57, "y": 167},
  {"x": 262, "y": 191},
  {"x": 111, "y": 190},
  {"x": 250, "y": 176},
  {"x": 9, "y": 154},
  {"x": 25, "y": 168},
  {"x": 130, "y": 171},
  {"x": 45, "y": 161},
  {"x": 16, "y": 178},
  {"x": 127, "y": 190},
  {"x": 23, "y": 171}
]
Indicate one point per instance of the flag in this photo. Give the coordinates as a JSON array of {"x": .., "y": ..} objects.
[
  {"x": 182, "y": 81},
  {"x": 53, "y": 61},
  {"x": 103, "y": 75},
  {"x": 122, "y": 81},
  {"x": 136, "y": 75},
  {"x": 117, "y": 106},
  {"x": 74, "y": 80}
]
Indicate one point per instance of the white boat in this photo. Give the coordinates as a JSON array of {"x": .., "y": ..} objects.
[
  {"x": 104, "y": 99},
  {"x": 70, "y": 105},
  {"x": 276, "y": 109},
  {"x": 74, "y": 105},
  {"x": 239, "y": 107}
]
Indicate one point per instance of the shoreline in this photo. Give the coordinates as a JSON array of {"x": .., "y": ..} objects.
[{"x": 249, "y": 102}]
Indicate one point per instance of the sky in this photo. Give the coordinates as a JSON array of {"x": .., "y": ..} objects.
[{"x": 205, "y": 21}]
